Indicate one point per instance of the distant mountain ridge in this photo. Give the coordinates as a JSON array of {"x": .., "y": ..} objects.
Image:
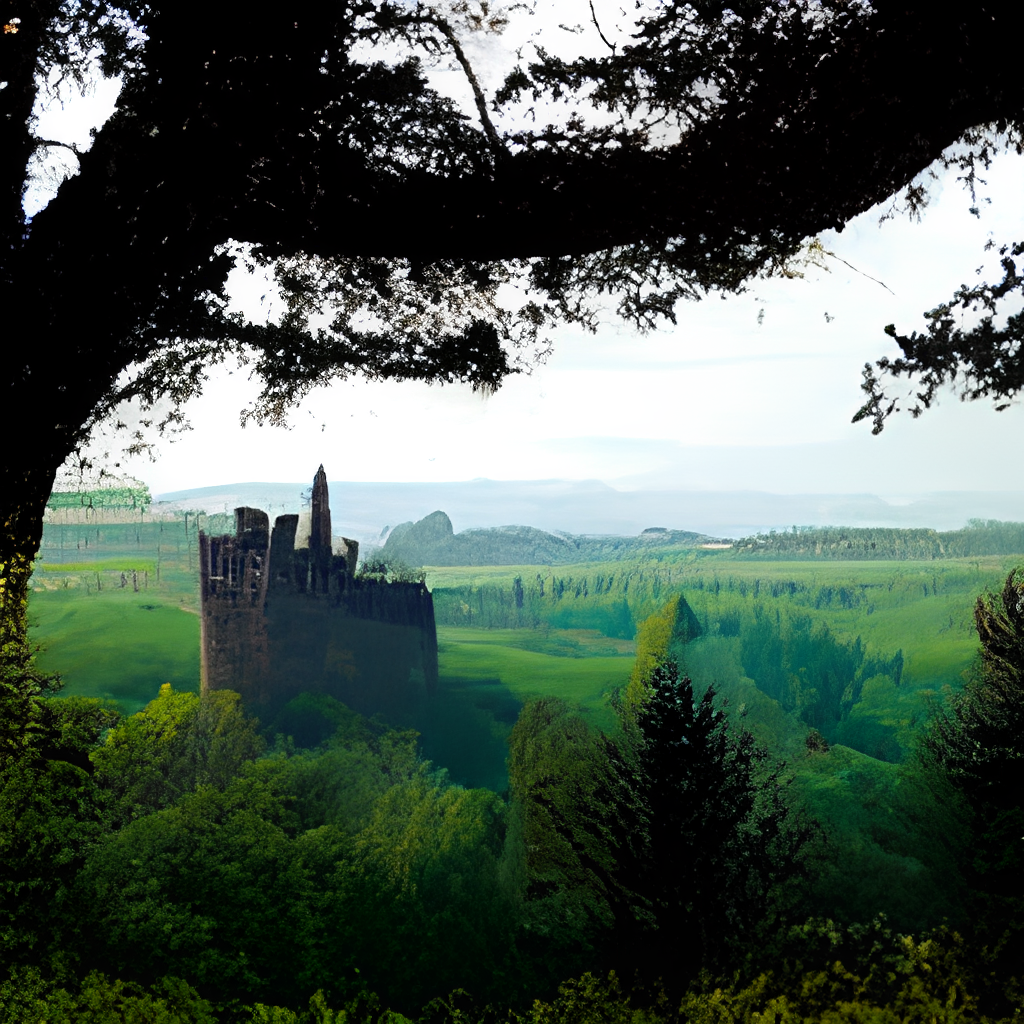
[
  {"x": 590, "y": 507},
  {"x": 433, "y": 541}
]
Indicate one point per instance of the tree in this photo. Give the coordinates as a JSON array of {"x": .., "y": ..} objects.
[
  {"x": 50, "y": 814},
  {"x": 578, "y": 822},
  {"x": 976, "y": 746},
  {"x": 722, "y": 138},
  {"x": 977, "y": 742},
  {"x": 723, "y": 839},
  {"x": 665, "y": 850},
  {"x": 177, "y": 743}
]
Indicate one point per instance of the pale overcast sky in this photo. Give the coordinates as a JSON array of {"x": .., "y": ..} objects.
[{"x": 726, "y": 400}]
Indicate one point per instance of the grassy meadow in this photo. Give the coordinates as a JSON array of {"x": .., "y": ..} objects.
[
  {"x": 115, "y": 605},
  {"x": 117, "y": 645}
]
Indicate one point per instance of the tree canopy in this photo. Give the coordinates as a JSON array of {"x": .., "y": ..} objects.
[{"x": 698, "y": 155}]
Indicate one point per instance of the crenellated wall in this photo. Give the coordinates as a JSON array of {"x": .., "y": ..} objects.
[{"x": 279, "y": 620}]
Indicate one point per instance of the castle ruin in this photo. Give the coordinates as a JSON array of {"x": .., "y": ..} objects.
[{"x": 280, "y": 620}]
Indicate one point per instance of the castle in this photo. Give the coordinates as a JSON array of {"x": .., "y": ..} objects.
[{"x": 280, "y": 620}]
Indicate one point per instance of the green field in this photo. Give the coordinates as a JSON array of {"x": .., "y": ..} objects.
[
  {"x": 924, "y": 609},
  {"x": 116, "y": 645},
  {"x": 121, "y": 644},
  {"x": 579, "y": 666},
  {"x": 114, "y": 606}
]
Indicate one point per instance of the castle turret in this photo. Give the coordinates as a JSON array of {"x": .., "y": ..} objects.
[
  {"x": 320, "y": 534},
  {"x": 282, "y": 551}
]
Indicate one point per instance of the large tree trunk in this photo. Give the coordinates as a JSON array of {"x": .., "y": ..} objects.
[
  {"x": 23, "y": 493},
  {"x": 23, "y": 496}
]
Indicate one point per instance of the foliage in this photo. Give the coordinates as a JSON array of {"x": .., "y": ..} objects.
[
  {"x": 50, "y": 816},
  {"x": 675, "y": 625},
  {"x": 983, "y": 361},
  {"x": 978, "y": 537},
  {"x": 178, "y": 743},
  {"x": 385, "y": 569},
  {"x": 824, "y": 971},
  {"x": 653, "y": 637},
  {"x": 896, "y": 838},
  {"x": 806, "y": 668},
  {"x": 611, "y": 597},
  {"x": 594, "y": 1000},
  {"x": 440, "y": 911},
  {"x": 662, "y": 851},
  {"x": 159, "y": 846},
  {"x": 975, "y": 742},
  {"x": 350, "y": 867},
  {"x": 27, "y": 998},
  {"x": 579, "y": 817},
  {"x": 50, "y": 808},
  {"x": 725, "y": 844},
  {"x": 213, "y": 888}
]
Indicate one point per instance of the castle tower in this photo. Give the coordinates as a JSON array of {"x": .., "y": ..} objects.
[
  {"x": 233, "y": 592},
  {"x": 279, "y": 618},
  {"x": 320, "y": 534}
]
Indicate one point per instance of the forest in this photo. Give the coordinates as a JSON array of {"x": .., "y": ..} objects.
[{"x": 696, "y": 786}]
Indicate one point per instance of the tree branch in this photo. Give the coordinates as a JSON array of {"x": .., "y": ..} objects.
[
  {"x": 593, "y": 18},
  {"x": 478, "y": 95},
  {"x": 63, "y": 145}
]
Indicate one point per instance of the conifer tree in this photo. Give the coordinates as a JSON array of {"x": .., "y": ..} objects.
[
  {"x": 979, "y": 742},
  {"x": 723, "y": 841}
]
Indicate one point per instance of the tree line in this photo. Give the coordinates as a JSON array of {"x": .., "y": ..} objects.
[{"x": 832, "y": 543}]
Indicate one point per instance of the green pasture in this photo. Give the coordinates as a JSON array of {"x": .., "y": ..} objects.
[
  {"x": 924, "y": 608},
  {"x": 585, "y": 671},
  {"x": 104, "y": 565},
  {"x": 490, "y": 575},
  {"x": 116, "y": 645}
]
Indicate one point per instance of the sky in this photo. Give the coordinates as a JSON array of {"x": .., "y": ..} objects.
[{"x": 753, "y": 392}]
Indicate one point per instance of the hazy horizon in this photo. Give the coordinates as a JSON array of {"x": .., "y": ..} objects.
[{"x": 366, "y": 510}]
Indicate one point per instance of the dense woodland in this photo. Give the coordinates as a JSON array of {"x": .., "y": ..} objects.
[{"x": 780, "y": 814}]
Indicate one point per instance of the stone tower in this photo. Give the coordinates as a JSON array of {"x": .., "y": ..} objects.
[
  {"x": 320, "y": 550},
  {"x": 278, "y": 620}
]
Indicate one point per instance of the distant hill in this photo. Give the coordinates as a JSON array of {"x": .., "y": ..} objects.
[
  {"x": 433, "y": 541},
  {"x": 590, "y": 507}
]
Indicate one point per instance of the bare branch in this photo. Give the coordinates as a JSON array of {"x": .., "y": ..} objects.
[
  {"x": 593, "y": 17},
  {"x": 62, "y": 145},
  {"x": 478, "y": 95},
  {"x": 828, "y": 252}
]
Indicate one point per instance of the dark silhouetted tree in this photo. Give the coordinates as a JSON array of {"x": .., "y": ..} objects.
[{"x": 724, "y": 842}]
